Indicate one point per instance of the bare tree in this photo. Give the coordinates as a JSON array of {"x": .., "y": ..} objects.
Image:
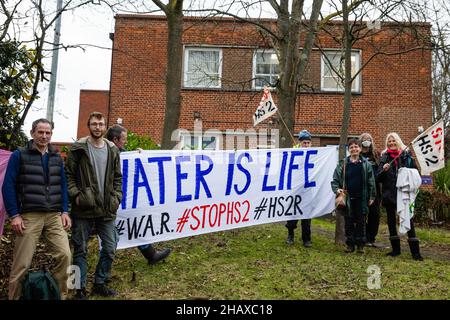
[
  {"x": 26, "y": 24},
  {"x": 361, "y": 21},
  {"x": 292, "y": 56},
  {"x": 439, "y": 12},
  {"x": 174, "y": 13}
]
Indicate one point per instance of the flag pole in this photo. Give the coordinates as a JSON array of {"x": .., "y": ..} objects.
[
  {"x": 290, "y": 133},
  {"x": 407, "y": 148}
]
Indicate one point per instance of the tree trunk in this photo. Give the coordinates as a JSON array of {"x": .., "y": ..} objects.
[
  {"x": 173, "y": 76},
  {"x": 340, "y": 224},
  {"x": 292, "y": 63},
  {"x": 289, "y": 26}
]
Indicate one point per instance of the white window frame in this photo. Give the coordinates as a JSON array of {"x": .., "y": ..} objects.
[
  {"x": 186, "y": 138},
  {"x": 357, "y": 81},
  {"x": 270, "y": 51},
  {"x": 187, "y": 51}
]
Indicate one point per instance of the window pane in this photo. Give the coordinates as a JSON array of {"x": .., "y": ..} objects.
[
  {"x": 263, "y": 68},
  {"x": 330, "y": 76},
  {"x": 203, "y": 68},
  {"x": 275, "y": 69},
  {"x": 263, "y": 57},
  {"x": 262, "y": 81},
  {"x": 331, "y": 83},
  {"x": 328, "y": 72},
  {"x": 266, "y": 68},
  {"x": 190, "y": 142},
  {"x": 209, "y": 143}
]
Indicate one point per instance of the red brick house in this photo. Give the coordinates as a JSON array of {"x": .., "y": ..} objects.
[
  {"x": 91, "y": 100},
  {"x": 226, "y": 61}
]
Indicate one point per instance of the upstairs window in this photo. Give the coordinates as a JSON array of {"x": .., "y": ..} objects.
[
  {"x": 200, "y": 142},
  {"x": 202, "y": 67},
  {"x": 265, "y": 68},
  {"x": 332, "y": 71}
]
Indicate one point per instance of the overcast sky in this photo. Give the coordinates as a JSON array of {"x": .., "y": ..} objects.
[
  {"x": 88, "y": 69},
  {"x": 77, "y": 69}
]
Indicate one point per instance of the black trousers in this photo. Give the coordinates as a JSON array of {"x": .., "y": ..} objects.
[
  {"x": 373, "y": 221},
  {"x": 306, "y": 228},
  {"x": 355, "y": 223},
  {"x": 392, "y": 223}
]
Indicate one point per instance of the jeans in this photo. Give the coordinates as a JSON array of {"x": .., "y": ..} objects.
[
  {"x": 392, "y": 223},
  {"x": 306, "y": 228},
  {"x": 107, "y": 232},
  {"x": 373, "y": 221},
  {"x": 355, "y": 224},
  {"x": 144, "y": 246}
]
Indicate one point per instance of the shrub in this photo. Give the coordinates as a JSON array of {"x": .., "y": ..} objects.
[
  {"x": 137, "y": 141},
  {"x": 434, "y": 206},
  {"x": 423, "y": 206},
  {"x": 441, "y": 179},
  {"x": 440, "y": 206}
]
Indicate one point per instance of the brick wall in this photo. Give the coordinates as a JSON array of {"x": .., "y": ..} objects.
[
  {"x": 395, "y": 92},
  {"x": 91, "y": 100}
]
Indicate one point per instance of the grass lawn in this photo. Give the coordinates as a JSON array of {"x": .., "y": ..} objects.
[{"x": 255, "y": 263}]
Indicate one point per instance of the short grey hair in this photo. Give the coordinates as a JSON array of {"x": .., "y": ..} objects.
[
  {"x": 114, "y": 132},
  {"x": 41, "y": 120}
]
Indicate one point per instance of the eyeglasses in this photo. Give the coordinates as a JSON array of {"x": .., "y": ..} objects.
[{"x": 95, "y": 124}]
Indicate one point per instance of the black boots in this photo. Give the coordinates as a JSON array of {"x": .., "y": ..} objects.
[
  {"x": 290, "y": 238},
  {"x": 415, "y": 249},
  {"x": 395, "y": 243},
  {"x": 350, "y": 248},
  {"x": 103, "y": 290},
  {"x": 360, "y": 248},
  {"x": 413, "y": 246},
  {"x": 153, "y": 256},
  {"x": 81, "y": 294}
]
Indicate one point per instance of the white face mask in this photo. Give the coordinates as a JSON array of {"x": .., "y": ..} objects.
[{"x": 366, "y": 144}]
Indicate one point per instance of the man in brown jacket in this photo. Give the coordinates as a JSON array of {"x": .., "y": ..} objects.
[{"x": 94, "y": 180}]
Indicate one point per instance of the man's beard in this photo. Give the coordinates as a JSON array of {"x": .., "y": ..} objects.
[{"x": 95, "y": 135}]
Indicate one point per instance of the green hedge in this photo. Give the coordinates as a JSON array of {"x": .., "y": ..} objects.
[
  {"x": 136, "y": 141},
  {"x": 441, "y": 179}
]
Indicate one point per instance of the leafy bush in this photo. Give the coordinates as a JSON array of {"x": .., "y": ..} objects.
[
  {"x": 20, "y": 140},
  {"x": 441, "y": 179},
  {"x": 17, "y": 78},
  {"x": 434, "y": 206},
  {"x": 423, "y": 206},
  {"x": 136, "y": 141},
  {"x": 440, "y": 206}
]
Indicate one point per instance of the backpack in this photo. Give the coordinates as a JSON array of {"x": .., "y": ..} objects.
[{"x": 40, "y": 285}]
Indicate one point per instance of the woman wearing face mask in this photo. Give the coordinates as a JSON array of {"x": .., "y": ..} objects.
[
  {"x": 355, "y": 174},
  {"x": 373, "y": 217},
  {"x": 394, "y": 157}
]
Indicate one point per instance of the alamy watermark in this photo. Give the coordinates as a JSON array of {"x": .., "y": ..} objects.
[
  {"x": 374, "y": 279},
  {"x": 228, "y": 139},
  {"x": 74, "y": 279}
]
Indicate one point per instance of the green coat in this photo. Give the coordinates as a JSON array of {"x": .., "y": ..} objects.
[
  {"x": 82, "y": 181},
  {"x": 368, "y": 188}
]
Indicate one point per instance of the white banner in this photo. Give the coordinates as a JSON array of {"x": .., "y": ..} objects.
[
  {"x": 266, "y": 108},
  {"x": 429, "y": 148},
  {"x": 174, "y": 194}
]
